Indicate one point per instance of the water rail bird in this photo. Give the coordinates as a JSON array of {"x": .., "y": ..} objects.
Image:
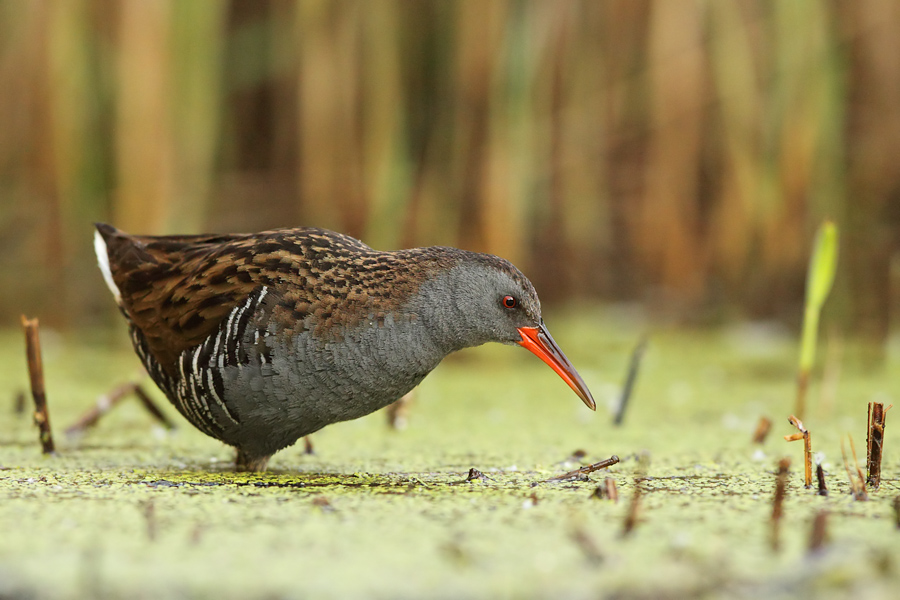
[{"x": 261, "y": 339}]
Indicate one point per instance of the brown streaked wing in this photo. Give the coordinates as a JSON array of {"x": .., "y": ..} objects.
[{"x": 177, "y": 289}]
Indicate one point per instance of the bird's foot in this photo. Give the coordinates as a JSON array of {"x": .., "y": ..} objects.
[{"x": 248, "y": 463}]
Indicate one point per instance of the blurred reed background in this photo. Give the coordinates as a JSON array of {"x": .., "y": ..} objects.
[{"x": 675, "y": 153}]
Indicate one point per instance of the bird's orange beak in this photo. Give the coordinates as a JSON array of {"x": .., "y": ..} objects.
[{"x": 539, "y": 341}]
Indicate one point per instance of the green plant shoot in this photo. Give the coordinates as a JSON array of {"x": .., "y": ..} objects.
[{"x": 822, "y": 266}]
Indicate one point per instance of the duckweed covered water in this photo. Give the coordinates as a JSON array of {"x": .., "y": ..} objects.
[{"x": 129, "y": 511}]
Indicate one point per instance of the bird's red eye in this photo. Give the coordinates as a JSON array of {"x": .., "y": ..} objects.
[{"x": 510, "y": 301}]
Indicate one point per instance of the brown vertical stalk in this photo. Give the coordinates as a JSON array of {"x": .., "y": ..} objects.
[
  {"x": 820, "y": 477},
  {"x": 143, "y": 138},
  {"x": 609, "y": 485},
  {"x": 857, "y": 481},
  {"x": 627, "y": 389},
  {"x": 877, "y": 415},
  {"x": 36, "y": 372},
  {"x": 781, "y": 478},
  {"x": 807, "y": 448}
]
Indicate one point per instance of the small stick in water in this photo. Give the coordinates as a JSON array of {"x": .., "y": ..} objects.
[
  {"x": 875, "y": 439},
  {"x": 633, "y": 367},
  {"x": 820, "y": 477},
  {"x": 19, "y": 403},
  {"x": 607, "y": 490},
  {"x": 807, "y": 448},
  {"x": 781, "y": 478},
  {"x": 104, "y": 404},
  {"x": 110, "y": 400},
  {"x": 308, "y": 445},
  {"x": 819, "y": 535},
  {"x": 897, "y": 511},
  {"x": 762, "y": 430},
  {"x": 603, "y": 464},
  {"x": 152, "y": 408},
  {"x": 857, "y": 481},
  {"x": 36, "y": 372},
  {"x": 472, "y": 476}
]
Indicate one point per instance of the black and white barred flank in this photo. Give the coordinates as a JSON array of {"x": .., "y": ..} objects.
[{"x": 200, "y": 369}]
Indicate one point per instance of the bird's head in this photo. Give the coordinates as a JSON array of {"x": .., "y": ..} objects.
[{"x": 484, "y": 298}]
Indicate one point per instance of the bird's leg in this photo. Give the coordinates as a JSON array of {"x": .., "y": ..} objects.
[{"x": 249, "y": 463}]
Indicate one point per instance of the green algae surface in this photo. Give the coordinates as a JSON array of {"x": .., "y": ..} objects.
[{"x": 127, "y": 510}]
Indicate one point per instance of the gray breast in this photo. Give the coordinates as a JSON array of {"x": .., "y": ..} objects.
[{"x": 290, "y": 387}]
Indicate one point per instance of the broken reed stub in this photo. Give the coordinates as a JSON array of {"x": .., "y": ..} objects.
[
  {"x": 875, "y": 442},
  {"x": 857, "y": 480},
  {"x": 606, "y": 491},
  {"x": 807, "y": 448},
  {"x": 36, "y": 375},
  {"x": 820, "y": 478}
]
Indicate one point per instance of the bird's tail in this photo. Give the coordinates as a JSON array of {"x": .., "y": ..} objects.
[{"x": 101, "y": 237}]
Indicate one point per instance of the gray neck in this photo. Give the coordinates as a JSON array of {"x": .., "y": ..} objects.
[{"x": 444, "y": 304}]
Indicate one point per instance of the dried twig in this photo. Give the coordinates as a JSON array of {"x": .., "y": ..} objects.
[
  {"x": 152, "y": 408},
  {"x": 633, "y": 367},
  {"x": 875, "y": 441},
  {"x": 308, "y": 445},
  {"x": 104, "y": 404},
  {"x": 110, "y": 400},
  {"x": 607, "y": 490},
  {"x": 603, "y": 464},
  {"x": 781, "y": 478},
  {"x": 472, "y": 476},
  {"x": 897, "y": 511},
  {"x": 818, "y": 537},
  {"x": 807, "y": 448},
  {"x": 820, "y": 478},
  {"x": 36, "y": 372},
  {"x": 762, "y": 430},
  {"x": 857, "y": 481},
  {"x": 19, "y": 403}
]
